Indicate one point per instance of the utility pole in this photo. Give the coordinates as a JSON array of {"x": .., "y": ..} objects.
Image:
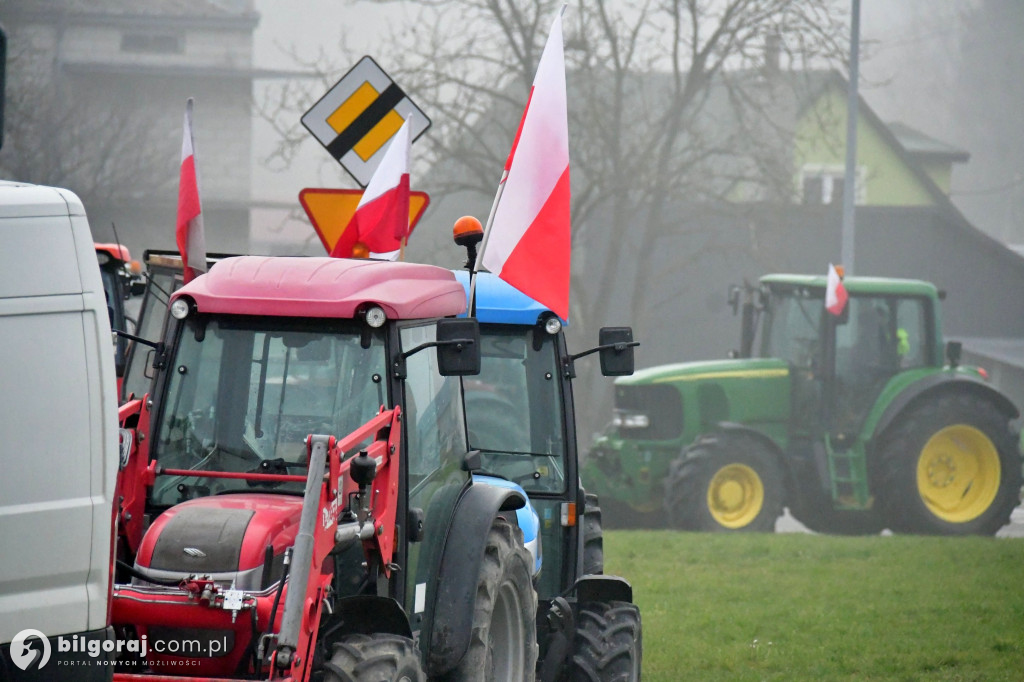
[{"x": 849, "y": 177}]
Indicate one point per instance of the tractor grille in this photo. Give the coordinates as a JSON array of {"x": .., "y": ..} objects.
[{"x": 661, "y": 405}]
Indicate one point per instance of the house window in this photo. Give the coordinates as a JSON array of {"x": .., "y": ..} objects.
[
  {"x": 824, "y": 186},
  {"x": 151, "y": 43}
]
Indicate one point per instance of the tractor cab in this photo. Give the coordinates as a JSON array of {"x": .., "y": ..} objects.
[
  {"x": 520, "y": 418},
  {"x": 288, "y": 552},
  {"x": 121, "y": 281},
  {"x": 840, "y": 364}
]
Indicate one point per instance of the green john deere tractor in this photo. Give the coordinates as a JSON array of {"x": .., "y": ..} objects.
[{"x": 856, "y": 422}]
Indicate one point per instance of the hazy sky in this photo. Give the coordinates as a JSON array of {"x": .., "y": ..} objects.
[
  {"x": 309, "y": 26},
  {"x": 902, "y": 79}
]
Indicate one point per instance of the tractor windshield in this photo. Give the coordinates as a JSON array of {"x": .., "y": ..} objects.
[
  {"x": 242, "y": 395},
  {"x": 513, "y": 408},
  {"x": 792, "y": 326}
]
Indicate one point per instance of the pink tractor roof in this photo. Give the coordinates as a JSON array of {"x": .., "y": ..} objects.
[{"x": 281, "y": 286}]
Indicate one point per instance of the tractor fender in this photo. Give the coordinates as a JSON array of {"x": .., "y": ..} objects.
[
  {"x": 935, "y": 384},
  {"x": 461, "y": 559},
  {"x": 729, "y": 430},
  {"x": 369, "y": 614},
  {"x": 603, "y": 588}
]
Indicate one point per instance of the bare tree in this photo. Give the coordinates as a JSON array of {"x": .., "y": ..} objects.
[
  {"x": 103, "y": 150},
  {"x": 671, "y": 103}
]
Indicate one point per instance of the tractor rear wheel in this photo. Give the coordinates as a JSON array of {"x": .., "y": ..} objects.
[
  {"x": 374, "y": 658},
  {"x": 950, "y": 466},
  {"x": 593, "y": 537},
  {"x": 503, "y": 646},
  {"x": 609, "y": 643},
  {"x": 735, "y": 485}
]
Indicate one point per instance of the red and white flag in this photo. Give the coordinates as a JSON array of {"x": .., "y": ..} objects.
[
  {"x": 381, "y": 220},
  {"x": 189, "y": 231},
  {"x": 528, "y": 241},
  {"x": 835, "y": 292}
]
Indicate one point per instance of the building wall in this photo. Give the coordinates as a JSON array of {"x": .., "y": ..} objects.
[
  {"x": 820, "y": 139},
  {"x": 141, "y": 88}
]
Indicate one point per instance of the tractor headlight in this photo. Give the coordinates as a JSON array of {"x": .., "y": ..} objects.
[
  {"x": 375, "y": 316},
  {"x": 631, "y": 420},
  {"x": 180, "y": 309},
  {"x": 552, "y": 325}
]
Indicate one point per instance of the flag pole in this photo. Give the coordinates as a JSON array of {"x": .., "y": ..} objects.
[{"x": 483, "y": 245}]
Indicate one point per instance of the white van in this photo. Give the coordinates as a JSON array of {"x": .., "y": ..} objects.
[{"x": 58, "y": 438}]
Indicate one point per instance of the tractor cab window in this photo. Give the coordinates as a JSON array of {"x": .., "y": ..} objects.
[
  {"x": 242, "y": 397},
  {"x": 513, "y": 409},
  {"x": 792, "y": 327},
  {"x": 881, "y": 336}
]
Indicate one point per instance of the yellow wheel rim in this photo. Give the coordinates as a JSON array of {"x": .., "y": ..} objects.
[
  {"x": 735, "y": 495},
  {"x": 958, "y": 473}
]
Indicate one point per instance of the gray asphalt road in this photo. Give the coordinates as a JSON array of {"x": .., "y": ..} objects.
[{"x": 1015, "y": 529}]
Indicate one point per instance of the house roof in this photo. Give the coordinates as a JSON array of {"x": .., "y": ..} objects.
[
  {"x": 925, "y": 147},
  {"x": 1009, "y": 351}
]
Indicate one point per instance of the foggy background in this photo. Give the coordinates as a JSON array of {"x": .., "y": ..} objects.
[{"x": 658, "y": 235}]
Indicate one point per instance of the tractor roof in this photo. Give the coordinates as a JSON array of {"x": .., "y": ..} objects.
[
  {"x": 284, "y": 286},
  {"x": 117, "y": 252},
  {"x": 498, "y": 302},
  {"x": 857, "y": 285}
]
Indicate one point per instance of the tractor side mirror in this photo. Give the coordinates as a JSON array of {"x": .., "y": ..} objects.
[
  {"x": 458, "y": 347},
  {"x": 137, "y": 288},
  {"x": 734, "y": 298},
  {"x": 616, "y": 345},
  {"x": 954, "y": 350}
]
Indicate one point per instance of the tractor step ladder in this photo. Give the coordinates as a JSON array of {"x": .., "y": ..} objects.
[{"x": 848, "y": 476}]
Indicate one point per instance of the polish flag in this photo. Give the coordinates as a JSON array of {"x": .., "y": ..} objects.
[
  {"x": 835, "y": 292},
  {"x": 528, "y": 241},
  {"x": 381, "y": 220},
  {"x": 189, "y": 230}
]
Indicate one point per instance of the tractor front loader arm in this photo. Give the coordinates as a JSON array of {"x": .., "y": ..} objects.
[{"x": 344, "y": 487}]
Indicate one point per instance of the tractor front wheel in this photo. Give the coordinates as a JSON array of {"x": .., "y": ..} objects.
[
  {"x": 732, "y": 485},
  {"x": 950, "y": 466},
  {"x": 503, "y": 646},
  {"x": 374, "y": 658},
  {"x": 609, "y": 643}
]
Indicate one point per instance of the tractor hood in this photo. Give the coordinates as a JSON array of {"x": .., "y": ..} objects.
[
  {"x": 749, "y": 368},
  {"x": 678, "y": 402},
  {"x": 225, "y": 537}
]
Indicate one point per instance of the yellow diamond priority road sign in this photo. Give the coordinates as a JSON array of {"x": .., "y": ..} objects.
[{"x": 359, "y": 115}]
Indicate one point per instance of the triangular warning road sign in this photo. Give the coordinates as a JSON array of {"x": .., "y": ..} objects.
[{"x": 331, "y": 210}]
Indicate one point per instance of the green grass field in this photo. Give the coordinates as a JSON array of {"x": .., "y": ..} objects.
[{"x": 816, "y": 607}]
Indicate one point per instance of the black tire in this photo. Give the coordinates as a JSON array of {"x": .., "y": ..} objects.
[
  {"x": 733, "y": 485},
  {"x": 593, "y": 538},
  {"x": 503, "y": 646},
  {"x": 374, "y": 658},
  {"x": 950, "y": 466},
  {"x": 608, "y": 646}
]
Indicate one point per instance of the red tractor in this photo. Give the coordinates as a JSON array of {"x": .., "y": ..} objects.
[{"x": 249, "y": 549}]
